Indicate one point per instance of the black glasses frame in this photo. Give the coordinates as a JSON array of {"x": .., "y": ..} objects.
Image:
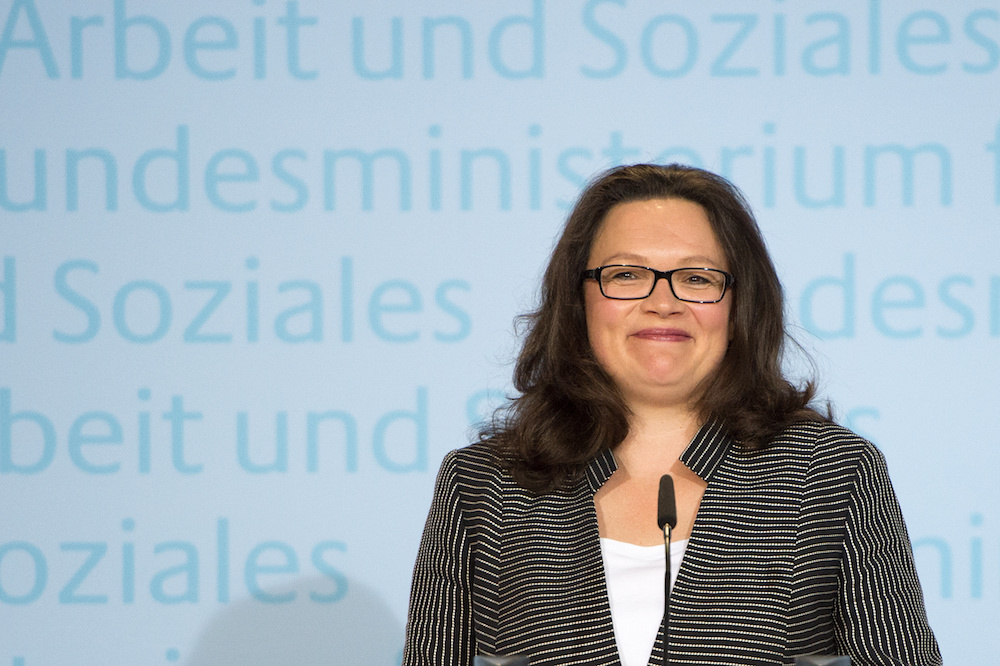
[{"x": 595, "y": 274}]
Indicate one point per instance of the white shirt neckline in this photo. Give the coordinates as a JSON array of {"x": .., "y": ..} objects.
[{"x": 634, "y": 578}]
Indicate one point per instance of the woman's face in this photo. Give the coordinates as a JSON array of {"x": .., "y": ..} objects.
[{"x": 657, "y": 349}]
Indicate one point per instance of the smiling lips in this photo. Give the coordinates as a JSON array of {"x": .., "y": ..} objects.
[{"x": 663, "y": 334}]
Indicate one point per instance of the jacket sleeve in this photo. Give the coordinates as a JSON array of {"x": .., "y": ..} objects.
[
  {"x": 439, "y": 623},
  {"x": 880, "y": 615}
]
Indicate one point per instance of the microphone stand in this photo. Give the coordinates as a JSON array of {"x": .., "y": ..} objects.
[
  {"x": 666, "y": 596},
  {"x": 666, "y": 518}
]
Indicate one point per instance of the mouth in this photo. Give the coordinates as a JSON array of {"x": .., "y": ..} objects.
[{"x": 663, "y": 334}]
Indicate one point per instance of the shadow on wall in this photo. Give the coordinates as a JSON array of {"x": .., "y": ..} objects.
[{"x": 357, "y": 630}]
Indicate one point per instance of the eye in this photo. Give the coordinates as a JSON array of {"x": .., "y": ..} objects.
[
  {"x": 698, "y": 278},
  {"x": 621, "y": 274}
]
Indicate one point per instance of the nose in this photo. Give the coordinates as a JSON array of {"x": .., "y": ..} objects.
[{"x": 662, "y": 300}]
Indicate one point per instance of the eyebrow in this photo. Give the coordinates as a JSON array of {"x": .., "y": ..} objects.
[{"x": 692, "y": 261}]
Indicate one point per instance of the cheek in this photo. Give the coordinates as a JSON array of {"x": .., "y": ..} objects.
[
  {"x": 601, "y": 314},
  {"x": 724, "y": 322},
  {"x": 715, "y": 324},
  {"x": 592, "y": 316}
]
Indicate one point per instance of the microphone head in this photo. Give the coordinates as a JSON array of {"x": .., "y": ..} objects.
[{"x": 666, "y": 508}]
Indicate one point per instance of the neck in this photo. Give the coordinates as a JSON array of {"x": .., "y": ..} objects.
[{"x": 656, "y": 439}]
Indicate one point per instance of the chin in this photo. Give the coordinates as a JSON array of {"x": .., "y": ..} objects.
[{"x": 665, "y": 393}]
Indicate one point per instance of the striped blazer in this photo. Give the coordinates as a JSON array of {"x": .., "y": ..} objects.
[{"x": 796, "y": 549}]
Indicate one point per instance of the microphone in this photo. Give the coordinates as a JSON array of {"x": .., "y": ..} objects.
[
  {"x": 666, "y": 509},
  {"x": 666, "y": 518}
]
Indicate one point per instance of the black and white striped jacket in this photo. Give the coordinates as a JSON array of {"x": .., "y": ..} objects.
[{"x": 797, "y": 549}]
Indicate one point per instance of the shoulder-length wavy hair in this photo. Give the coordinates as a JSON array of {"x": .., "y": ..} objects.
[{"x": 568, "y": 409}]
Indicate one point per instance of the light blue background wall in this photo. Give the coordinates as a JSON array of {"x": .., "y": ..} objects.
[{"x": 260, "y": 261}]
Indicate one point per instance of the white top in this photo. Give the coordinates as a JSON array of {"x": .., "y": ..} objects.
[{"x": 634, "y": 576}]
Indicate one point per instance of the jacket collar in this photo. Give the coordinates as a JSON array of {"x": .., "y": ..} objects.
[
  {"x": 702, "y": 456},
  {"x": 707, "y": 450},
  {"x": 600, "y": 469}
]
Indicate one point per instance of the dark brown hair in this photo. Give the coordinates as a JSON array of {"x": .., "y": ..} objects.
[{"x": 568, "y": 409}]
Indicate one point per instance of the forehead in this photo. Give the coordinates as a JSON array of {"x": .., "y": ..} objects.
[{"x": 654, "y": 229}]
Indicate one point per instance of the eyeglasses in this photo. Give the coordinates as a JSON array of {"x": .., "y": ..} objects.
[{"x": 632, "y": 283}]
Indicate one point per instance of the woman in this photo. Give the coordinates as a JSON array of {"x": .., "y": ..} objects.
[{"x": 657, "y": 349}]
